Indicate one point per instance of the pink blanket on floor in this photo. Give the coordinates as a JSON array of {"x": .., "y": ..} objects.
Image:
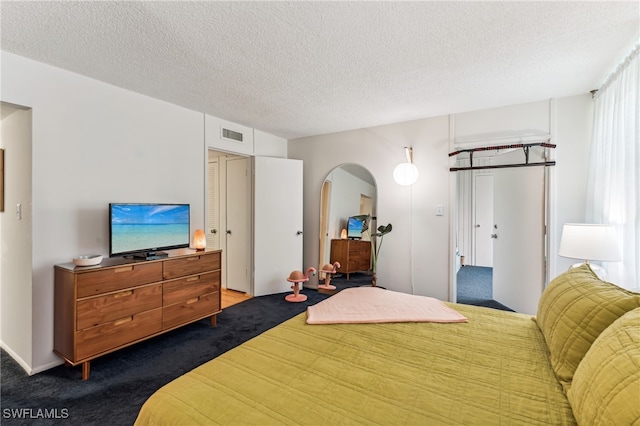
[{"x": 372, "y": 304}]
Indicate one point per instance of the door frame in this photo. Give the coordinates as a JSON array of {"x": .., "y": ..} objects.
[
  {"x": 325, "y": 208},
  {"x": 239, "y": 195},
  {"x": 549, "y": 223},
  {"x": 222, "y": 205}
]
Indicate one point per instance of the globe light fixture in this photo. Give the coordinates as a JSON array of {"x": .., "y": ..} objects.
[{"x": 406, "y": 173}]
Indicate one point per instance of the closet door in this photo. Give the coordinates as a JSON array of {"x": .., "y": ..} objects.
[
  {"x": 518, "y": 256},
  {"x": 483, "y": 223},
  {"x": 238, "y": 225},
  {"x": 277, "y": 223},
  {"x": 213, "y": 204}
]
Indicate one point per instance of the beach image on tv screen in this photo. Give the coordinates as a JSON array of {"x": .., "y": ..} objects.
[
  {"x": 143, "y": 227},
  {"x": 354, "y": 227}
]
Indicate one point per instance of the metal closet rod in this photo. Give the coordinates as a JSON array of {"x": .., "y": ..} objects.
[
  {"x": 525, "y": 147},
  {"x": 499, "y": 147}
]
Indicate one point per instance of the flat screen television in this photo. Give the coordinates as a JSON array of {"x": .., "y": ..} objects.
[
  {"x": 354, "y": 228},
  {"x": 144, "y": 229}
]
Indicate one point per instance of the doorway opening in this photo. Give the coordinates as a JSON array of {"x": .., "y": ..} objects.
[
  {"x": 475, "y": 278},
  {"x": 500, "y": 231},
  {"x": 229, "y": 217}
]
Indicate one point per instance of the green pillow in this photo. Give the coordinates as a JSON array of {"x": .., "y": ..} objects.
[
  {"x": 573, "y": 310},
  {"x": 606, "y": 384}
]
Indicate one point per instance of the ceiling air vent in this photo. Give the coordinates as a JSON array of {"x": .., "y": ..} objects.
[{"x": 231, "y": 135}]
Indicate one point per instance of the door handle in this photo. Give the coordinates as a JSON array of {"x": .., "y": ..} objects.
[
  {"x": 214, "y": 231},
  {"x": 229, "y": 231},
  {"x": 494, "y": 235},
  {"x": 299, "y": 233}
]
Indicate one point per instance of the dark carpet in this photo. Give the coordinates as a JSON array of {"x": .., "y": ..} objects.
[
  {"x": 356, "y": 279},
  {"x": 475, "y": 287},
  {"x": 122, "y": 381}
]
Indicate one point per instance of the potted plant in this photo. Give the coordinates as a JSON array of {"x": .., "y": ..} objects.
[{"x": 375, "y": 245}]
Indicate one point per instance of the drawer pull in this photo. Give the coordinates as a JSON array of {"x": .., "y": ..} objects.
[
  {"x": 123, "y": 294},
  {"x": 194, "y": 300},
  {"x": 123, "y": 320},
  {"x": 193, "y": 259},
  {"x": 125, "y": 269},
  {"x": 190, "y": 279}
]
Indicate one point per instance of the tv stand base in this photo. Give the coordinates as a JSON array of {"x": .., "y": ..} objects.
[{"x": 151, "y": 255}]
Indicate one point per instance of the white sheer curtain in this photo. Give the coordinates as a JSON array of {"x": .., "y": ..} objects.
[{"x": 614, "y": 169}]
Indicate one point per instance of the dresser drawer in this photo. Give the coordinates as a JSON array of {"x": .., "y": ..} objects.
[
  {"x": 359, "y": 249},
  {"x": 184, "y": 289},
  {"x": 190, "y": 310},
  {"x": 101, "y": 338},
  {"x": 191, "y": 265},
  {"x": 360, "y": 256},
  {"x": 103, "y": 309},
  {"x": 118, "y": 278}
]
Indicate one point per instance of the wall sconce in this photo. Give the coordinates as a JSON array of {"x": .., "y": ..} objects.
[
  {"x": 343, "y": 234},
  {"x": 406, "y": 173},
  {"x": 199, "y": 240},
  {"x": 590, "y": 242}
]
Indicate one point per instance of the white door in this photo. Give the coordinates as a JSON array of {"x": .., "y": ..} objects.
[
  {"x": 213, "y": 204},
  {"x": 277, "y": 223},
  {"x": 518, "y": 260},
  {"x": 238, "y": 225},
  {"x": 483, "y": 226}
]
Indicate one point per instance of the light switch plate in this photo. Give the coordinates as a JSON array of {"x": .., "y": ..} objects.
[{"x": 439, "y": 210}]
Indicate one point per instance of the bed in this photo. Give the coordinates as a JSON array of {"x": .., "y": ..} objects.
[{"x": 497, "y": 368}]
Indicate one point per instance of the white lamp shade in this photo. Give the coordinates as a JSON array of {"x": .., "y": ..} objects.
[
  {"x": 589, "y": 242},
  {"x": 405, "y": 174}
]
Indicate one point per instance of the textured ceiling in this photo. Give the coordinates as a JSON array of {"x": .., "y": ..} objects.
[{"x": 304, "y": 68}]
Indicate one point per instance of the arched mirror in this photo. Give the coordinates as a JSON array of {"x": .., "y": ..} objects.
[{"x": 348, "y": 190}]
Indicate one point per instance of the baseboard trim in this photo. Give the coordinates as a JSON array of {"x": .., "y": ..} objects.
[
  {"x": 21, "y": 362},
  {"x": 45, "y": 367},
  {"x": 25, "y": 365}
]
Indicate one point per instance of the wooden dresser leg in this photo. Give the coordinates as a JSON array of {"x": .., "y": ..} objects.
[
  {"x": 214, "y": 322},
  {"x": 86, "y": 369}
]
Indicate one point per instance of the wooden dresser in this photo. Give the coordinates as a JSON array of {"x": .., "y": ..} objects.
[
  {"x": 353, "y": 255},
  {"x": 100, "y": 309}
]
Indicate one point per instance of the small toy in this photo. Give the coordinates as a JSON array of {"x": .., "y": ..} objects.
[
  {"x": 297, "y": 277},
  {"x": 329, "y": 269}
]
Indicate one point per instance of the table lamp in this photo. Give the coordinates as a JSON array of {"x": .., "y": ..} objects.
[
  {"x": 590, "y": 242},
  {"x": 199, "y": 240}
]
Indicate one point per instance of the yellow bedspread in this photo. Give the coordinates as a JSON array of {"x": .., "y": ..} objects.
[{"x": 493, "y": 370}]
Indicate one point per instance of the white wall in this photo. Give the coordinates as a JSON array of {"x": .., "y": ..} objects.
[
  {"x": 573, "y": 136},
  {"x": 15, "y": 235},
  {"x": 93, "y": 143},
  {"x": 416, "y": 255},
  {"x": 268, "y": 145},
  {"x": 411, "y": 210}
]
